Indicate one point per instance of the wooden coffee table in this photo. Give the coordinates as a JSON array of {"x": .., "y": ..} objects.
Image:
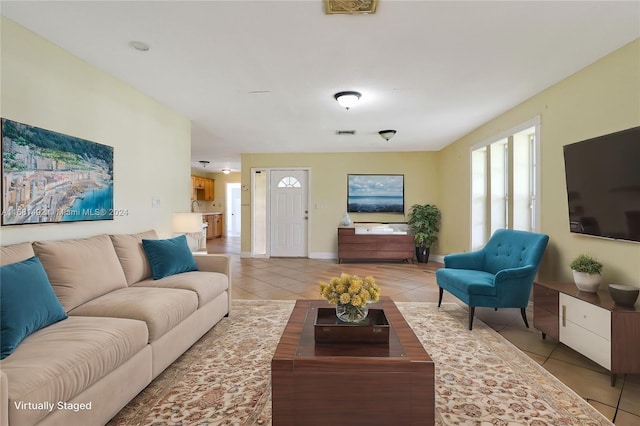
[{"x": 351, "y": 383}]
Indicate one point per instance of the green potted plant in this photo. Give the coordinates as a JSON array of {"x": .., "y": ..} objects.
[
  {"x": 424, "y": 224},
  {"x": 586, "y": 273}
]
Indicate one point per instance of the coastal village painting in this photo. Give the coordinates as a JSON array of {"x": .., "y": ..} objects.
[{"x": 49, "y": 177}]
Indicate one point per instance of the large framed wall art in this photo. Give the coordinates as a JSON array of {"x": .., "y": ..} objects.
[
  {"x": 375, "y": 194},
  {"x": 49, "y": 177}
]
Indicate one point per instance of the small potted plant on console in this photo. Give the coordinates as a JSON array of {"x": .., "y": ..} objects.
[{"x": 586, "y": 273}]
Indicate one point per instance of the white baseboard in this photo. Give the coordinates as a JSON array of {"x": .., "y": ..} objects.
[
  {"x": 323, "y": 255},
  {"x": 330, "y": 255}
]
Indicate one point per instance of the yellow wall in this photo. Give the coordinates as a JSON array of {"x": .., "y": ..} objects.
[
  {"x": 45, "y": 86},
  {"x": 602, "y": 98},
  {"x": 328, "y": 188}
]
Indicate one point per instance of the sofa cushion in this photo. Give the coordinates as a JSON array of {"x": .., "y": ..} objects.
[
  {"x": 60, "y": 361},
  {"x": 15, "y": 253},
  {"x": 27, "y": 303},
  {"x": 169, "y": 257},
  {"x": 132, "y": 257},
  {"x": 160, "y": 308},
  {"x": 82, "y": 269},
  {"x": 207, "y": 285}
]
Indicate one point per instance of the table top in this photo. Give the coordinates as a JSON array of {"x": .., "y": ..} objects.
[
  {"x": 601, "y": 298},
  {"x": 298, "y": 343}
]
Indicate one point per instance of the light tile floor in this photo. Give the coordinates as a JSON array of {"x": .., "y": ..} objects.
[{"x": 297, "y": 278}]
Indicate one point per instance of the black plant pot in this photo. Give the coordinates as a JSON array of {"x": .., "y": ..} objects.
[{"x": 422, "y": 254}]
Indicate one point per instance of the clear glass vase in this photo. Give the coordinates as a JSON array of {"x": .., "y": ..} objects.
[{"x": 351, "y": 314}]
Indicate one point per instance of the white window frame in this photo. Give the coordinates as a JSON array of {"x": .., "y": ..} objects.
[{"x": 535, "y": 123}]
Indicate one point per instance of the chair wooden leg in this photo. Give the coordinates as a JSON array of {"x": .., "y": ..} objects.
[
  {"x": 472, "y": 311},
  {"x": 441, "y": 291},
  {"x": 523, "y": 312}
]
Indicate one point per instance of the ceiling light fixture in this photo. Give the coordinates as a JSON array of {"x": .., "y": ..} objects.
[
  {"x": 226, "y": 171},
  {"x": 387, "y": 134},
  {"x": 139, "y": 45},
  {"x": 347, "y": 99},
  {"x": 203, "y": 163}
]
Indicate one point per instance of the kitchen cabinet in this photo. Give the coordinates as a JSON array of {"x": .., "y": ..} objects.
[
  {"x": 194, "y": 188},
  {"x": 208, "y": 189},
  {"x": 214, "y": 225},
  {"x": 202, "y": 188},
  {"x": 590, "y": 323}
]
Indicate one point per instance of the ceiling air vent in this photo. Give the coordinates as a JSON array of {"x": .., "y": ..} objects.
[
  {"x": 351, "y": 7},
  {"x": 345, "y": 132}
]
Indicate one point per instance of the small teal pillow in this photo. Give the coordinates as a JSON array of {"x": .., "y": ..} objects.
[
  {"x": 27, "y": 303},
  {"x": 169, "y": 257}
]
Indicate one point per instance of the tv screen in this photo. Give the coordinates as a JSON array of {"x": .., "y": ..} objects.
[
  {"x": 375, "y": 194},
  {"x": 603, "y": 185}
]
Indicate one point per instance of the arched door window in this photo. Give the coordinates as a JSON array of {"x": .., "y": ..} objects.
[{"x": 289, "y": 182}]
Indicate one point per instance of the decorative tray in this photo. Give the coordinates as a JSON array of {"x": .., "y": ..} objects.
[{"x": 329, "y": 329}]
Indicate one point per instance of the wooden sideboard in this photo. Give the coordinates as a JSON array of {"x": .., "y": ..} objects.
[
  {"x": 590, "y": 323},
  {"x": 352, "y": 246}
]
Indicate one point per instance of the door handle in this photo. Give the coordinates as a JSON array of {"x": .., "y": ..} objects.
[{"x": 564, "y": 315}]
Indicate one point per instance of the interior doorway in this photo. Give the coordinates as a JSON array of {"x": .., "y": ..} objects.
[
  {"x": 233, "y": 210},
  {"x": 280, "y": 212}
]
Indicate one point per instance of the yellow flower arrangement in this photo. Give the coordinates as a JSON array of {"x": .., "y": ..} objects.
[{"x": 352, "y": 292}]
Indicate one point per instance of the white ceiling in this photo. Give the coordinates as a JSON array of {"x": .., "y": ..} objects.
[{"x": 259, "y": 76}]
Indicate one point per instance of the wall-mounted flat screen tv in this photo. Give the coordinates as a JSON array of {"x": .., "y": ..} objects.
[
  {"x": 375, "y": 194},
  {"x": 603, "y": 185}
]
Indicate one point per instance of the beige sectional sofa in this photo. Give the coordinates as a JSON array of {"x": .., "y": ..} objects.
[{"x": 123, "y": 328}]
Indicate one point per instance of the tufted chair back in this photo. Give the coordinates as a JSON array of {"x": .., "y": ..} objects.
[{"x": 509, "y": 248}]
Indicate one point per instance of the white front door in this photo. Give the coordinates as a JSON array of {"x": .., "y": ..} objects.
[{"x": 289, "y": 213}]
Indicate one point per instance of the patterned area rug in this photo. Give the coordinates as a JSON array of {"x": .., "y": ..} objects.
[{"x": 481, "y": 378}]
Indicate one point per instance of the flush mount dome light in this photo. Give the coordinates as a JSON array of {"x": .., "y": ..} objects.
[
  {"x": 226, "y": 171},
  {"x": 347, "y": 99},
  {"x": 139, "y": 45},
  {"x": 387, "y": 134}
]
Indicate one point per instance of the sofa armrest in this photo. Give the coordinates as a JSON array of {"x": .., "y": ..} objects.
[
  {"x": 472, "y": 260},
  {"x": 215, "y": 263},
  {"x": 4, "y": 399}
]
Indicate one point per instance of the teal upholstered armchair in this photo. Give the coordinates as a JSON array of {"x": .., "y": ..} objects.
[{"x": 500, "y": 275}]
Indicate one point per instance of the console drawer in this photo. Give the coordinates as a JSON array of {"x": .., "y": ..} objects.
[
  {"x": 586, "y": 328},
  {"x": 585, "y": 315}
]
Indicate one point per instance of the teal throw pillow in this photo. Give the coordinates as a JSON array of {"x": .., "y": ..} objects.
[
  {"x": 27, "y": 303},
  {"x": 169, "y": 257}
]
